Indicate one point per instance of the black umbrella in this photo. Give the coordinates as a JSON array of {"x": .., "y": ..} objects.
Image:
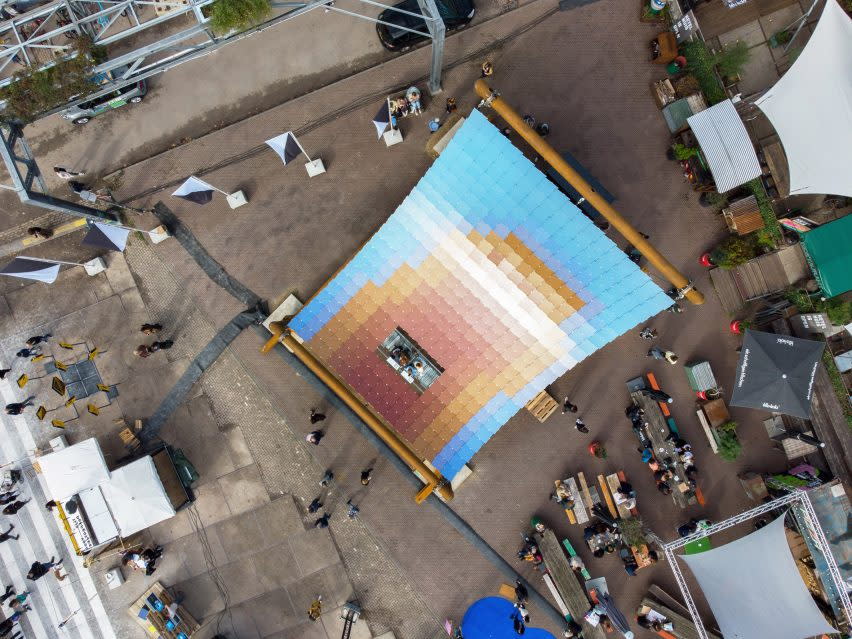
[{"x": 776, "y": 373}]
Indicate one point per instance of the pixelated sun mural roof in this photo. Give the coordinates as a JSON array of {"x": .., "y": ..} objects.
[{"x": 492, "y": 272}]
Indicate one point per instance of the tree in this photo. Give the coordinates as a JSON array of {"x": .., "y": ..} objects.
[
  {"x": 237, "y": 15},
  {"x": 731, "y": 61}
]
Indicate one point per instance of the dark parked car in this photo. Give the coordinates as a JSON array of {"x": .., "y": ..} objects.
[{"x": 455, "y": 13}]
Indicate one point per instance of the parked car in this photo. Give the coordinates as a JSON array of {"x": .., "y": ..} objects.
[
  {"x": 85, "y": 111},
  {"x": 455, "y": 13}
]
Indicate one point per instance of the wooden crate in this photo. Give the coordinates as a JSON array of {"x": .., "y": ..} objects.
[{"x": 542, "y": 406}]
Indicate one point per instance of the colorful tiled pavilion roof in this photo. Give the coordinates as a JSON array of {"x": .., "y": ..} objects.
[{"x": 496, "y": 275}]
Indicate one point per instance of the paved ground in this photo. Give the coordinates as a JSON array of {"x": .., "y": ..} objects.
[
  {"x": 408, "y": 567},
  {"x": 600, "y": 109},
  {"x": 243, "y": 78},
  {"x": 263, "y": 544}
]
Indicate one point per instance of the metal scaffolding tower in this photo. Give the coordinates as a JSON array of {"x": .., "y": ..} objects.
[
  {"x": 40, "y": 37},
  {"x": 797, "y": 500}
]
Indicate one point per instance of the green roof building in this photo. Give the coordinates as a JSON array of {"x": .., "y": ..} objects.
[{"x": 828, "y": 249}]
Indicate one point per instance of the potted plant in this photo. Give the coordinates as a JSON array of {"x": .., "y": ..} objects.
[
  {"x": 739, "y": 327},
  {"x": 781, "y": 38},
  {"x": 683, "y": 152},
  {"x": 727, "y": 441}
]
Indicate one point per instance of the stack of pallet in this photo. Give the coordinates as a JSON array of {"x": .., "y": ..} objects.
[
  {"x": 542, "y": 406},
  {"x": 151, "y": 611}
]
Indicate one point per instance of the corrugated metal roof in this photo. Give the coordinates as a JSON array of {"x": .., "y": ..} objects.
[{"x": 726, "y": 146}]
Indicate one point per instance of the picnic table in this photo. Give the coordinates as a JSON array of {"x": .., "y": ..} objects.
[
  {"x": 567, "y": 583},
  {"x": 658, "y": 430}
]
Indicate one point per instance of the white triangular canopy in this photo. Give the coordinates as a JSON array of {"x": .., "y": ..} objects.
[
  {"x": 755, "y": 590},
  {"x": 811, "y": 109}
]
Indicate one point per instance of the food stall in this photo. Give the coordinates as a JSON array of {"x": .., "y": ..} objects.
[{"x": 98, "y": 506}]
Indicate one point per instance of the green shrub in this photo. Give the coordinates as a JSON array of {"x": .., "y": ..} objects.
[
  {"x": 683, "y": 152},
  {"x": 729, "y": 446},
  {"x": 733, "y": 251},
  {"x": 702, "y": 66},
  {"x": 730, "y": 425},
  {"x": 237, "y": 15},
  {"x": 839, "y": 387},
  {"x": 771, "y": 228},
  {"x": 839, "y": 311},
  {"x": 730, "y": 61},
  {"x": 33, "y": 92},
  {"x": 631, "y": 530}
]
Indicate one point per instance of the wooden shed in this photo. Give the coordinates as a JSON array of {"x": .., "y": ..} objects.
[{"x": 743, "y": 216}]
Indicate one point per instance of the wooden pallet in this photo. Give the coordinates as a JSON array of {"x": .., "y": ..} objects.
[{"x": 542, "y": 406}]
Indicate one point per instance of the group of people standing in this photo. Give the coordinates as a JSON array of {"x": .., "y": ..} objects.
[{"x": 315, "y": 437}]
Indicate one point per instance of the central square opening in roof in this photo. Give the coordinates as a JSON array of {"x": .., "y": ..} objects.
[{"x": 408, "y": 359}]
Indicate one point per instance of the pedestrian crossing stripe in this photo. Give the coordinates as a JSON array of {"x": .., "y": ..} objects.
[
  {"x": 60, "y": 365},
  {"x": 70, "y": 401},
  {"x": 22, "y": 380},
  {"x": 41, "y": 412},
  {"x": 66, "y": 345},
  {"x": 58, "y": 423},
  {"x": 94, "y": 410}
]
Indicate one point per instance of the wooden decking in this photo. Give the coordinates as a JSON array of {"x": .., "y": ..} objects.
[
  {"x": 714, "y": 18},
  {"x": 759, "y": 277}
]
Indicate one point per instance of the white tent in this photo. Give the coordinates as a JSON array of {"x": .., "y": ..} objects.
[
  {"x": 136, "y": 497},
  {"x": 811, "y": 109},
  {"x": 70, "y": 470},
  {"x": 755, "y": 590}
]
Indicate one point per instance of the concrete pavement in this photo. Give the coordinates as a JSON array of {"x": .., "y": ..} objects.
[
  {"x": 296, "y": 232},
  {"x": 568, "y": 71}
]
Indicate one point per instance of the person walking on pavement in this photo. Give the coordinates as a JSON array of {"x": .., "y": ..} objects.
[
  {"x": 580, "y": 425},
  {"x": 6, "y": 536},
  {"x": 327, "y": 478},
  {"x": 145, "y": 351},
  {"x": 671, "y": 358},
  {"x": 10, "y": 590},
  {"x": 14, "y": 507},
  {"x": 322, "y": 522},
  {"x": 28, "y": 352},
  {"x": 316, "y": 416},
  {"x": 40, "y": 233},
  {"x": 151, "y": 329},
  {"x": 487, "y": 69},
  {"x": 353, "y": 510},
  {"x": 315, "y": 610},
  {"x": 521, "y": 592},
  {"x": 4, "y": 372},
  {"x": 315, "y": 505},
  {"x": 16, "y": 408},
  {"x": 648, "y": 333},
  {"x": 66, "y": 174},
  {"x": 568, "y": 407},
  {"x": 6, "y": 498},
  {"x": 50, "y": 505},
  {"x": 35, "y": 340},
  {"x": 18, "y": 602},
  {"x": 40, "y": 569},
  {"x": 366, "y": 476},
  {"x": 656, "y": 353},
  {"x": 315, "y": 437}
]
